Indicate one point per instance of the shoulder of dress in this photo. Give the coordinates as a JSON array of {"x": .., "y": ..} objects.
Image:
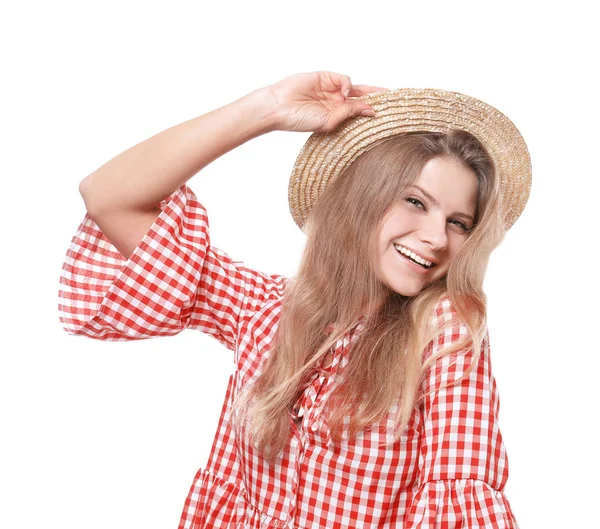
[
  {"x": 445, "y": 314},
  {"x": 447, "y": 327}
]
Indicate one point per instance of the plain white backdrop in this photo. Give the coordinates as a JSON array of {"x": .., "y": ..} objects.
[{"x": 102, "y": 434}]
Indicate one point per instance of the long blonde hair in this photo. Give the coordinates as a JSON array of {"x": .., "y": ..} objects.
[{"x": 336, "y": 284}]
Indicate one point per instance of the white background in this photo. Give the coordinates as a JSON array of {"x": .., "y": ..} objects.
[{"x": 102, "y": 434}]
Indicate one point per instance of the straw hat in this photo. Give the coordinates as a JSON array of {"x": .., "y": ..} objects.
[{"x": 326, "y": 155}]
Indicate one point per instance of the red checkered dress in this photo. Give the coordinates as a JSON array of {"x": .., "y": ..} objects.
[{"x": 447, "y": 470}]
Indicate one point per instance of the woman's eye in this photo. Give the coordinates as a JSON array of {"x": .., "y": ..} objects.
[
  {"x": 460, "y": 224},
  {"x": 415, "y": 201}
]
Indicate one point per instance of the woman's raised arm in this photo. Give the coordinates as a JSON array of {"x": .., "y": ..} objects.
[{"x": 122, "y": 196}]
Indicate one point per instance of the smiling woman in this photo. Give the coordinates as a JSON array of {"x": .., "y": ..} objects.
[{"x": 366, "y": 378}]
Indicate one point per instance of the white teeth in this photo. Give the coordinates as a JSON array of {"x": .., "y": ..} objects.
[{"x": 413, "y": 255}]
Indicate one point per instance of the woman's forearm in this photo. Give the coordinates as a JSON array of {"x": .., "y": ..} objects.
[{"x": 140, "y": 177}]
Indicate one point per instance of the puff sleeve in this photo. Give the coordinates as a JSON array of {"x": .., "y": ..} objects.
[
  {"x": 463, "y": 466},
  {"x": 173, "y": 280}
]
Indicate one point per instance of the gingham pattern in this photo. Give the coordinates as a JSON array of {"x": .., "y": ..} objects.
[{"x": 448, "y": 470}]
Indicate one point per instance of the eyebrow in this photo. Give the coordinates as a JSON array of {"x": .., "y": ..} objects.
[{"x": 436, "y": 203}]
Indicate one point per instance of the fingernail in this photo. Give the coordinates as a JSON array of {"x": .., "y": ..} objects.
[
  {"x": 347, "y": 92},
  {"x": 367, "y": 112}
]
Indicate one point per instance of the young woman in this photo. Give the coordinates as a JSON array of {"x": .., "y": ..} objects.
[{"x": 363, "y": 394}]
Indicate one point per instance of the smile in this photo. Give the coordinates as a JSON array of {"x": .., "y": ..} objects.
[{"x": 414, "y": 257}]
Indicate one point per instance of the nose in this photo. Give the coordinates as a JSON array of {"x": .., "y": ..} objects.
[{"x": 433, "y": 232}]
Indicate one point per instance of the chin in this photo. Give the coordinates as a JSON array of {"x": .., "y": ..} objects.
[
  {"x": 411, "y": 290},
  {"x": 406, "y": 291}
]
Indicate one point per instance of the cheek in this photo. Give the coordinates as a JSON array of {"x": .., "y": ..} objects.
[
  {"x": 455, "y": 244},
  {"x": 394, "y": 226},
  {"x": 383, "y": 240}
]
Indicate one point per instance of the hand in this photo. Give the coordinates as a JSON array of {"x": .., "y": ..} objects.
[{"x": 316, "y": 101}]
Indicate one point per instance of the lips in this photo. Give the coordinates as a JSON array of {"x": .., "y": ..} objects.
[{"x": 414, "y": 257}]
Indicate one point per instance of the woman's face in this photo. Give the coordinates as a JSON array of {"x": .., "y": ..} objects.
[{"x": 432, "y": 220}]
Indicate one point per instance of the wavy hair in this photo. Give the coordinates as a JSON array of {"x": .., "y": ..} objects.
[{"x": 336, "y": 286}]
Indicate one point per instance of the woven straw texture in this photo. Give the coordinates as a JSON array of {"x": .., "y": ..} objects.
[{"x": 326, "y": 155}]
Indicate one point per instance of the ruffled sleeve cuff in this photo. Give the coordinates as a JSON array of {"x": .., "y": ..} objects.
[
  {"x": 104, "y": 296},
  {"x": 461, "y": 503}
]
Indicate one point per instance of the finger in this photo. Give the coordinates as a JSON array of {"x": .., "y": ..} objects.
[
  {"x": 363, "y": 89},
  {"x": 346, "y": 88},
  {"x": 344, "y": 112},
  {"x": 338, "y": 80}
]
